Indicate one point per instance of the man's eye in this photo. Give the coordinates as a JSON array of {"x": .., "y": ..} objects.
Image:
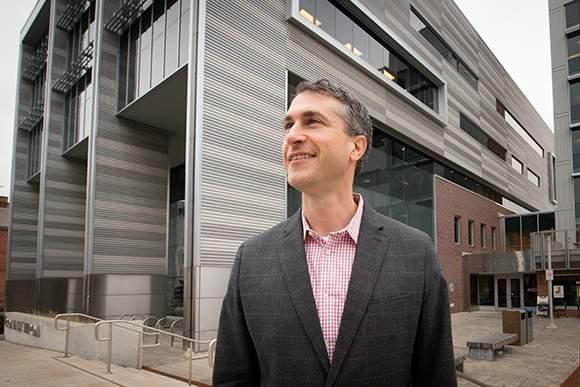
[
  {"x": 288, "y": 126},
  {"x": 313, "y": 121}
]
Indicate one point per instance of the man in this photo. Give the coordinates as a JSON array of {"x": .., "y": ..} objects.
[{"x": 337, "y": 295}]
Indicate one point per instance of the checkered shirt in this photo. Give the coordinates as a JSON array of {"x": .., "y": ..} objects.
[{"x": 329, "y": 265}]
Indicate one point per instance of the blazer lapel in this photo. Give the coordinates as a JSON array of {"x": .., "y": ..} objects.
[
  {"x": 370, "y": 252},
  {"x": 297, "y": 277}
]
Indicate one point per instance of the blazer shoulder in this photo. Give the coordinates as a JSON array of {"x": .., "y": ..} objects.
[{"x": 273, "y": 234}]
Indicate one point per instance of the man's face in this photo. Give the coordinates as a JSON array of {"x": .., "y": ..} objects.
[{"x": 318, "y": 154}]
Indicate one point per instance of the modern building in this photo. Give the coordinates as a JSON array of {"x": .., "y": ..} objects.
[
  {"x": 565, "y": 42},
  {"x": 148, "y": 143},
  {"x": 4, "y": 222}
]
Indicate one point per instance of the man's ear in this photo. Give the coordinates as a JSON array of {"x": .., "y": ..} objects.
[{"x": 359, "y": 146}]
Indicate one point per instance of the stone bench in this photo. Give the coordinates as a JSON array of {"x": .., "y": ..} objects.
[
  {"x": 459, "y": 359},
  {"x": 483, "y": 348}
]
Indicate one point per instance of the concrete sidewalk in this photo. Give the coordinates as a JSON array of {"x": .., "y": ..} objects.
[{"x": 26, "y": 366}]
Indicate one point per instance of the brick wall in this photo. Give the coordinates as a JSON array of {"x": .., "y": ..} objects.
[{"x": 453, "y": 200}]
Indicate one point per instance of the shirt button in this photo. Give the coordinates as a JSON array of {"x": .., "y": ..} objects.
[
  {"x": 310, "y": 233},
  {"x": 325, "y": 296},
  {"x": 326, "y": 342},
  {"x": 327, "y": 252}
]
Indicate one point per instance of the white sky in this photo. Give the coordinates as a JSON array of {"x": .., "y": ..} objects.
[{"x": 521, "y": 43}]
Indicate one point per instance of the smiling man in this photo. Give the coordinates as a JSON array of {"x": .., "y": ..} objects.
[{"x": 337, "y": 295}]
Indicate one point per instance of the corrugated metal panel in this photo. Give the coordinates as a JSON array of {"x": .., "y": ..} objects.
[
  {"x": 243, "y": 184},
  {"x": 129, "y": 219}
]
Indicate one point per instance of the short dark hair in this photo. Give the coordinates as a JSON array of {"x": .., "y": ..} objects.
[{"x": 353, "y": 112}]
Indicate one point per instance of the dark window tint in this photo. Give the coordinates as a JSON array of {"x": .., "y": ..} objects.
[
  {"x": 572, "y": 14},
  {"x": 573, "y": 53},
  {"x": 575, "y": 103},
  {"x": 474, "y": 131}
]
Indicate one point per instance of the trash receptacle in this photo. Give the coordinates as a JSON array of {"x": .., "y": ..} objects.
[
  {"x": 530, "y": 325},
  {"x": 514, "y": 321}
]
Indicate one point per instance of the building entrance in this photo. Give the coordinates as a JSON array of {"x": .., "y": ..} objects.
[{"x": 509, "y": 292}]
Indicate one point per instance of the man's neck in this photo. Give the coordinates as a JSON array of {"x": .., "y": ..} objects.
[{"x": 329, "y": 213}]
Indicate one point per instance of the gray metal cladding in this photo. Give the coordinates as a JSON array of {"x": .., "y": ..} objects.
[
  {"x": 243, "y": 183},
  {"x": 130, "y": 185},
  {"x": 24, "y": 201},
  {"x": 64, "y": 186}
]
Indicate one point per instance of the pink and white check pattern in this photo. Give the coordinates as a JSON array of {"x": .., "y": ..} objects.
[{"x": 329, "y": 265}]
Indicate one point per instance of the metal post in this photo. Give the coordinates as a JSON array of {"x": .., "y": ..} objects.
[
  {"x": 190, "y": 359},
  {"x": 550, "y": 296},
  {"x": 109, "y": 350},
  {"x": 67, "y": 335}
]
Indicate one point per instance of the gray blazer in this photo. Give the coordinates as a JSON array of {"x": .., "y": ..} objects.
[{"x": 395, "y": 329}]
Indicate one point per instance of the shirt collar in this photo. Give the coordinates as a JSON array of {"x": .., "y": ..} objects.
[{"x": 352, "y": 228}]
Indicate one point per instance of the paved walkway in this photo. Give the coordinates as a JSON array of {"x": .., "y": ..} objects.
[{"x": 545, "y": 362}]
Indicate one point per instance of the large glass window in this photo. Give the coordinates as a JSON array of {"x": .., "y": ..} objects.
[
  {"x": 82, "y": 34},
  {"x": 519, "y": 129},
  {"x": 174, "y": 290},
  {"x": 364, "y": 43},
  {"x": 34, "y": 149},
  {"x": 575, "y": 103},
  {"x": 152, "y": 48},
  {"x": 571, "y": 286},
  {"x": 572, "y": 14},
  {"x": 475, "y": 132},
  {"x": 513, "y": 234},
  {"x": 78, "y": 111},
  {"x": 486, "y": 290},
  {"x": 573, "y": 53},
  {"x": 577, "y": 200},
  {"x": 530, "y": 290},
  {"x": 422, "y": 27},
  {"x": 535, "y": 179},
  {"x": 517, "y": 165}
]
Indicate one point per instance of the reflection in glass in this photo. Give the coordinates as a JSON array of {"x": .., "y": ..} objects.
[
  {"x": 530, "y": 290},
  {"x": 573, "y": 53},
  {"x": 363, "y": 43},
  {"x": 486, "y": 290},
  {"x": 152, "y": 48},
  {"x": 502, "y": 296},
  {"x": 515, "y": 294},
  {"x": 577, "y": 200},
  {"x": 575, "y": 102},
  {"x": 512, "y": 234},
  {"x": 572, "y": 14},
  {"x": 174, "y": 290}
]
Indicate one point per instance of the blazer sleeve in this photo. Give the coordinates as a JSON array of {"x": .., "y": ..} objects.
[
  {"x": 433, "y": 358},
  {"x": 236, "y": 361}
]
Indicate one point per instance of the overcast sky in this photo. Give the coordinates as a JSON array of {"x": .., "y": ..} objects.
[{"x": 522, "y": 45}]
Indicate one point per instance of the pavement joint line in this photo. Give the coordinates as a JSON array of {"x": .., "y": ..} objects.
[{"x": 58, "y": 358}]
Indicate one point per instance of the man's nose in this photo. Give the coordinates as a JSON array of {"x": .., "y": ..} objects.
[{"x": 295, "y": 134}]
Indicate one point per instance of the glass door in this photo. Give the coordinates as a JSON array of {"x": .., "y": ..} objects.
[{"x": 509, "y": 292}]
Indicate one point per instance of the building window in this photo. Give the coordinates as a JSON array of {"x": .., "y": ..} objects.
[
  {"x": 493, "y": 238},
  {"x": 422, "y": 27},
  {"x": 517, "y": 165},
  {"x": 470, "y": 233},
  {"x": 575, "y": 102},
  {"x": 577, "y": 200},
  {"x": 82, "y": 34},
  {"x": 457, "y": 229},
  {"x": 515, "y": 125},
  {"x": 152, "y": 48},
  {"x": 78, "y": 111},
  {"x": 478, "y": 134},
  {"x": 535, "y": 179},
  {"x": 34, "y": 150},
  {"x": 573, "y": 53},
  {"x": 482, "y": 229},
  {"x": 572, "y": 14},
  {"x": 364, "y": 43}
]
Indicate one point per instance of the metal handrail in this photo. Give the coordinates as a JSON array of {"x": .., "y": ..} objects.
[
  {"x": 67, "y": 327},
  {"x": 123, "y": 324},
  {"x": 125, "y": 315},
  {"x": 150, "y": 317},
  {"x": 136, "y": 316}
]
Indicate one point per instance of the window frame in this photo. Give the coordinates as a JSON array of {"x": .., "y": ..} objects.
[
  {"x": 470, "y": 232},
  {"x": 457, "y": 229}
]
